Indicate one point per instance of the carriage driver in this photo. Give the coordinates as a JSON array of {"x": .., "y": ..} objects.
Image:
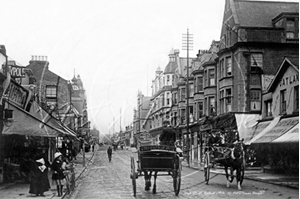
[{"x": 168, "y": 135}]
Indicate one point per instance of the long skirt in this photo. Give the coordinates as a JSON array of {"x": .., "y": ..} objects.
[{"x": 39, "y": 182}]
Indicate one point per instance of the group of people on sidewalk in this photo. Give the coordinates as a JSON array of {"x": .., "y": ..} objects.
[{"x": 39, "y": 182}]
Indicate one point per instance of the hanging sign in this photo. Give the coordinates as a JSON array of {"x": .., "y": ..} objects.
[{"x": 16, "y": 94}]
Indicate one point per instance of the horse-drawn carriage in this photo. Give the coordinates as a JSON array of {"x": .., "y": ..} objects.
[
  {"x": 154, "y": 158},
  {"x": 228, "y": 156}
]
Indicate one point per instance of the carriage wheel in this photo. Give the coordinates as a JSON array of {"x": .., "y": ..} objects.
[
  {"x": 177, "y": 177},
  {"x": 206, "y": 167},
  {"x": 133, "y": 176}
]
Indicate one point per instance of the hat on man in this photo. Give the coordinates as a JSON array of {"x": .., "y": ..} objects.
[{"x": 57, "y": 154}]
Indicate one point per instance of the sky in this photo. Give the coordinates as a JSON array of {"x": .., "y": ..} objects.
[{"x": 114, "y": 45}]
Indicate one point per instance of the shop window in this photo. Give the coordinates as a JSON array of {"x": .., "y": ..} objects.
[
  {"x": 296, "y": 98},
  {"x": 283, "y": 102}
]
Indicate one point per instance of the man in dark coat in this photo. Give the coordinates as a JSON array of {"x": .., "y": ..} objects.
[
  {"x": 109, "y": 153},
  {"x": 168, "y": 135}
]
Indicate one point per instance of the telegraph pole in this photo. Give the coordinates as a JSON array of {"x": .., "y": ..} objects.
[{"x": 187, "y": 45}]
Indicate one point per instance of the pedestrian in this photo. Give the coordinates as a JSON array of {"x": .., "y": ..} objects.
[
  {"x": 39, "y": 177},
  {"x": 109, "y": 153},
  {"x": 93, "y": 146},
  {"x": 58, "y": 172}
]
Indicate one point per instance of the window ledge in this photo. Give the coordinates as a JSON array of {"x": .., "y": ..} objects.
[{"x": 227, "y": 77}]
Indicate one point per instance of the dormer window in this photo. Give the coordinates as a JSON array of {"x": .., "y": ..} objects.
[
  {"x": 290, "y": 28},
  {"x": 288, "y": 21}
]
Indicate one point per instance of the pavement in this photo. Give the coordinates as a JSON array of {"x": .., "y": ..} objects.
[{"x": 21, "y": 190}]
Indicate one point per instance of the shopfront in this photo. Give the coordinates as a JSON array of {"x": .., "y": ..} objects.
[{"x": 28, "y": 131}]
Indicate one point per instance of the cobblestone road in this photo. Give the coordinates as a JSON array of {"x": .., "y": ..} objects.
[{"x": 110, "y": 180}]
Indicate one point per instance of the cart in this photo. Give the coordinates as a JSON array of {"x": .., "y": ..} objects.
[
  {"x": 159, "y": 159},
  {"x": 211, "y": 160}
]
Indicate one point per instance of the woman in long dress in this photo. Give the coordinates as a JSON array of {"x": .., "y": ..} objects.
[{"x": 39, "y": 181}]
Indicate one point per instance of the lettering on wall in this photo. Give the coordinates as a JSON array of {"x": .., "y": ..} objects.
[{"x": 289, "y": 80}]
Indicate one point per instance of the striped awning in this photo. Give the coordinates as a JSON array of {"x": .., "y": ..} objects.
[
  {"x": 291, "y": 136},
  {"x": 282, "y": 127}
]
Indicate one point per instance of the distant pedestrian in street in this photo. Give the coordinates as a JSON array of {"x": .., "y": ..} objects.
[
  {"x": 39, "y": 179},
  {"x": 58, "y": 172},
  {"x": 109, "y": 153},
  {"x": 93, "y": 146}
]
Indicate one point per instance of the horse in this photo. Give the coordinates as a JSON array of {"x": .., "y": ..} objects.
[{"x": 236, "y": 162}]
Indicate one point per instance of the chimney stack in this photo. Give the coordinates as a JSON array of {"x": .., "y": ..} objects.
[{"x": 38, "y": 58}]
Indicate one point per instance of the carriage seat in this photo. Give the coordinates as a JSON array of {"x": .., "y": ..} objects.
[{"x": 143, "y": 143}]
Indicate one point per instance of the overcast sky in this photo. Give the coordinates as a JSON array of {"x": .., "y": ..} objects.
[{"x": 114, "y": 45}]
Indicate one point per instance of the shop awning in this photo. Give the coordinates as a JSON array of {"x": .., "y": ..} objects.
[
  {"x": 255, "y": 130},
  {"x": 282, "y": 127},
  {"x": 248, "y": 125},
  {"x": 46, "y": 118},
  {"x": 25, "y": 123},
  {"x": 291, "y": 136}
]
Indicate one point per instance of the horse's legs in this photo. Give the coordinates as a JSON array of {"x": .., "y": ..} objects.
[
  {"x": 147, "y": 179},
  {"x": 231, "y": 174},
  {"x": 154, "y": 186},
  {"x": 227, "y": 176},
  {"x": 238, "y": 178}
]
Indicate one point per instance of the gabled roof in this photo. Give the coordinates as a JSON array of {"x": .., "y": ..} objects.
[
  {"x": 260, "y": 13},
  {"x": 288, "y": 61}
]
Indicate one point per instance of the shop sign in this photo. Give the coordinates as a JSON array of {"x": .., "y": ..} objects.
[
  {"x": 16, "y": 94},
  {"x": 17, "y": 72}
]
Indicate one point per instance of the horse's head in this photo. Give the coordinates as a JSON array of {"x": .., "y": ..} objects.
[{"x": 238, "y": 150}]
